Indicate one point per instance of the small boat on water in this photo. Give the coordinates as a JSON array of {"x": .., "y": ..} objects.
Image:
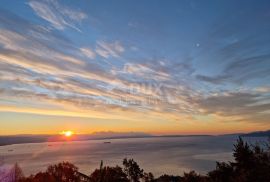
[
  {"x": 107, "y": 142},
  {"x": 10, "y": 150}
]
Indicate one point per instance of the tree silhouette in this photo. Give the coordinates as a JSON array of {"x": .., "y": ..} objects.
[
  {"x": 148, "y": 177},
  {"x": 168, "y": 178},
  {"x": 40, "y": 177},
  {"x": 109, "y": 174},
  {"x": 243, "y": 155},
  {"x": 252, "y": 164},
  {"x": 192, "y": 176},
  {"x": 132, "y": 170},
  {"x": 223, "y": 172},
  {"x": 64, "y": 172},
  {"x": 18, "y": 174}
]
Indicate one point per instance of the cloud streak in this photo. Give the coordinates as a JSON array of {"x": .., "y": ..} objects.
[
  {"x": 57, "y": 15},
  {"x": 107, "y": 49},
  {"x": 47, "y": 69}
]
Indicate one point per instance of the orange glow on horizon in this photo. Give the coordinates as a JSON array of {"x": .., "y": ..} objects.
[{"x": 67, "y": 133}]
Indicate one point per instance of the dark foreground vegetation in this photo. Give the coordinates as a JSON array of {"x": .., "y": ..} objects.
[{"x": 251, "y": 164}]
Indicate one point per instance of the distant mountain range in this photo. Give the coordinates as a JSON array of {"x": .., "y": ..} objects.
[
  {"x": 18, "y": 139},
  {"x": 257, "y": 134}
]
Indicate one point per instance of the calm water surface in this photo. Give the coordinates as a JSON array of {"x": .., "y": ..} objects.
[{"x": 159, "y": 155}]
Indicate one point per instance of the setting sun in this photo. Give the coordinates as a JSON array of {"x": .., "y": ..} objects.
[{"x": 67, "y": 133}]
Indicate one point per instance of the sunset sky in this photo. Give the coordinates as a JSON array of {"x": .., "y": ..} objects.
[{"x": 154, "y": 66}]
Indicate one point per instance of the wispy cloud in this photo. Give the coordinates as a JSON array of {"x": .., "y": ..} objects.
[
  {"x": 241, "y": 70},
  {"x": 59, "y": 16},
  {"x": 241, "y": 105},
  {"x": 145, "y": 72},
  {"x": 107, "y": 49},
  {"x": 88, "y": 52},
  {"x": 238, "y": 49}
]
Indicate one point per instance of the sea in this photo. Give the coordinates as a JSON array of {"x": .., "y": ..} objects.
[{"x": 159, "y": 155}]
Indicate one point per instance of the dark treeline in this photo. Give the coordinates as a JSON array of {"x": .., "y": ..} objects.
[{"x": 251, "y": 164}]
